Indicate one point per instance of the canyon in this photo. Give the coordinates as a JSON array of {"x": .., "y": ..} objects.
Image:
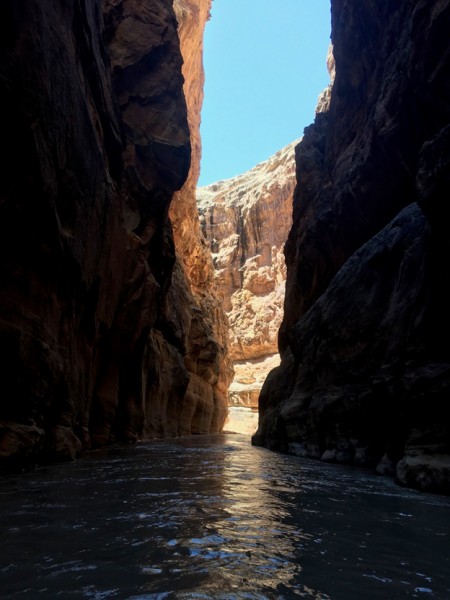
[
  {"x": 246, "y": 221},
  {"x": 125, "y": 310}
]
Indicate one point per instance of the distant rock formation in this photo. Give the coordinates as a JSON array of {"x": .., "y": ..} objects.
[
  {"x": 365, "y": 371},
  {"x": 101, "y": 336},
  {"x": 246, "y": 221}
]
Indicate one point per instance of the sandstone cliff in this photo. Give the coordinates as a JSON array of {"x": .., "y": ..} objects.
[
  {"x": 98, "y": 337},
  {"x": 246, "y": 221},
  {"x": 207, "y": 360},
  {"x": 365, "y": 366}
]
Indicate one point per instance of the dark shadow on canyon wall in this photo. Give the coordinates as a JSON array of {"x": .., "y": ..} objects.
[
  {"x": 365, "y": 372},
  {"x": 102, "y": 335},
  {"x": 109, "y": 327}
]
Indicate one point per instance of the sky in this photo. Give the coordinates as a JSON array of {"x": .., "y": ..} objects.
[{"x": 265, "y": 66}]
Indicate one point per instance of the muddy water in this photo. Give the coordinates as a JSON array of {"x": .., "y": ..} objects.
[{"x": 214, "y": 517}]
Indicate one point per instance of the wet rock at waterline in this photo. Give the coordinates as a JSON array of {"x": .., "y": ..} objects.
[{"x": 365, "y": 371}]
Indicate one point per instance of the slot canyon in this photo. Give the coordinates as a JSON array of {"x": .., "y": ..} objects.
[
  {"x": 114, "y": 326},
  {"x": 312, "y": 290}
]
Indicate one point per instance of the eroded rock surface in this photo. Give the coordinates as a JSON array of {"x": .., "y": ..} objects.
[
  {"x": 246, "y": 220},
  {"x": 365, "y": 368},
  {"x": 208, "y": 361},
  {"x": 100, "y": 336}
]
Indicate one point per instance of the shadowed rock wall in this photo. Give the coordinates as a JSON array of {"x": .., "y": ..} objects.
[
  {"x": 95, "y": 339},
  {"x": 365, "y": 366}
]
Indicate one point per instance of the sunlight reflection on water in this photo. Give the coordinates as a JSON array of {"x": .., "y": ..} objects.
[{"x": 213, "y": 517}]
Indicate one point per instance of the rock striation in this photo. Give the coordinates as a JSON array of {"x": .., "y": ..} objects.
[
  {"x": 101, "y": 336},
  {"x": 365, "y": 370},
  {"x": 246, "y": 221}
]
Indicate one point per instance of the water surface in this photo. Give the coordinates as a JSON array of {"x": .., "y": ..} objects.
[{"x": 213, "y": 517}]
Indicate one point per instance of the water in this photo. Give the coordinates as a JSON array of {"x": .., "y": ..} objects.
[{"x": 213, "y": 517}]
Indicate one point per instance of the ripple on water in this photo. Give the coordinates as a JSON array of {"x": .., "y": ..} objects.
[{"x": 214, "y": 517}]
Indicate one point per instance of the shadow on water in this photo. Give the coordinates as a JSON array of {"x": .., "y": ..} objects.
[{"x": 214, "y": 517}]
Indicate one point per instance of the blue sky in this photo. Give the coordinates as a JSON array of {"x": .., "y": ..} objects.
[{"x": 265, "y": 65}]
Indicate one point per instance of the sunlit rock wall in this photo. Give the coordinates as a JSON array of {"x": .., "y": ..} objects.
[
  {"x": 246, "y": 220},
  {"x": 365, "y": 368},
  {"x": 207, "y": 360},
  {"x": 98, "y": 339}
]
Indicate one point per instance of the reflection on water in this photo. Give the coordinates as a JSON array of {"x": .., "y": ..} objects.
[{"x": 214, "y": 517}]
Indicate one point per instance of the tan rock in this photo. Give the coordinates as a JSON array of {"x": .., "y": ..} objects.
[
  {"x": 249, "y": 376},
  {"x": 241, "y": 420},
  {"x": 246, "y": 220}
]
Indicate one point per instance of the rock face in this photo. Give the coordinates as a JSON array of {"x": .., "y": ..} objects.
[
  {"x": 246, "y": 220},
  {"x": 365, "y": 368},
  {"x": 100, "y": 336},
  {"x": 208, "y": 363}
]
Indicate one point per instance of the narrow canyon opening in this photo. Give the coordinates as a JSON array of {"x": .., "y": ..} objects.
[
  {"x": 258, "y": 97},
  {"x": 131, "y": 303},
  {"x": 119, "y": 281}
]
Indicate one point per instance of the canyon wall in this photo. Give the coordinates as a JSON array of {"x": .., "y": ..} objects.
[
  {"x": 101, "y": 338},
  {"x": 246, "y": 220},
  {"x": 365, "y": 369},
  {"x": 208, "y": 362}
]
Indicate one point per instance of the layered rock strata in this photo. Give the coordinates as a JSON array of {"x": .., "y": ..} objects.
[
  {"x": 365, "y": 368},
  {"x": 246, "y": 220},
  {"x": 100, "y": 335}
]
